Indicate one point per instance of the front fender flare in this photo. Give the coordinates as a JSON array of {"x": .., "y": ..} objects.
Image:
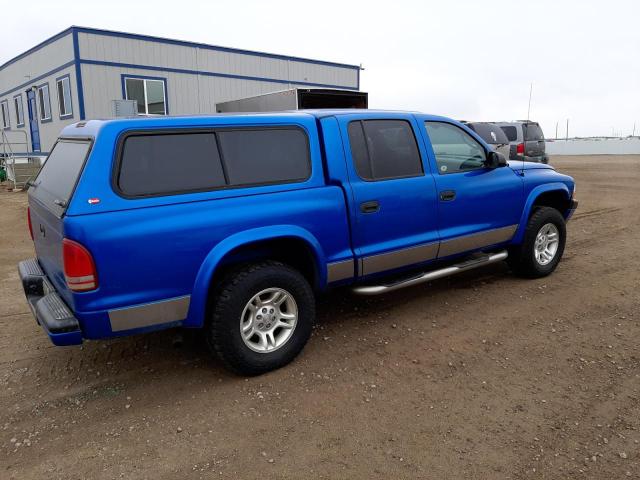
[
  {"x": 197, "y": 306},
  {"x": 533, "y": 195}
]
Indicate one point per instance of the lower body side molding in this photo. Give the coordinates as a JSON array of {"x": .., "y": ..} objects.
[{"x": 433, "y": 275}]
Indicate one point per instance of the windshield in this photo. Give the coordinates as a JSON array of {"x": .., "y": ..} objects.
[
  {"x": 490, "y": 133},
  {"x": 57, "y": 179}
]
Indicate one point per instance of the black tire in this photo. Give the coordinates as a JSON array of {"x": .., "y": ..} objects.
[
  {"x": 231, "y": 298},
  {"x": 522, "y": 259}
]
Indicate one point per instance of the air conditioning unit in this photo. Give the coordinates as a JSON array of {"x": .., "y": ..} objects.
[{"x": 124, "y": 108}]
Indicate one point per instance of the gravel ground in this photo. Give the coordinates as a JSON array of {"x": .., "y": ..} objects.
[{"x": 482, "y": 375}]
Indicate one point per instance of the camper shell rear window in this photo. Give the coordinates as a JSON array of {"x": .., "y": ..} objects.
[
  {"x": 59, "y": 175},
  {"x": 158, "y": 163}
]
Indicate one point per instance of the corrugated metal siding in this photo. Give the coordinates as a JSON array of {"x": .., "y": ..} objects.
[
  {"x": 187, "y": 94},
  {"x": 49, "y": 130},
  {"x": 131, "y": 51},
  {"x": 103, "y": 84},
  {"x": 37, "y": 63},
  {"x": 136, "y": 52},
  {"x": 14, "y": 80}
]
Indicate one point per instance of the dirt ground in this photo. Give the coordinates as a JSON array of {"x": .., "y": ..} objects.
[{"x": 482, "y": 375}]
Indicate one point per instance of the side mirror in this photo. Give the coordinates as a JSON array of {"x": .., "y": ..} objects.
[{"x": 495, "y": 160}]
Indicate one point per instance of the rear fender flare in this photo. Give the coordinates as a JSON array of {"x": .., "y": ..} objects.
[
  {"x": 199, "y": 297},
  {"x": 531, "y": 199}
]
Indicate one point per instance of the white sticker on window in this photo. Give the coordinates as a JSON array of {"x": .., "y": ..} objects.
[{"x": 443, "y": 168}]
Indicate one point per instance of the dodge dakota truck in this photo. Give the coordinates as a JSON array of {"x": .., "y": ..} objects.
[{"x": 232, "y": 224}]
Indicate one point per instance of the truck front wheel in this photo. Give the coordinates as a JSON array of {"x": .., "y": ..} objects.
[
  {"x": 262, "y": 316},
  {"x": 541, "y": 249}
]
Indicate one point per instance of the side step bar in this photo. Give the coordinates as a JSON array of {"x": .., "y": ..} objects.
[{"x": 432, "y": 275}]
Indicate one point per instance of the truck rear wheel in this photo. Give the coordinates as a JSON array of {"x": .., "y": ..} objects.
[
  {"x": 543, "y": 245},
  {"x": 262, "y": 318}
]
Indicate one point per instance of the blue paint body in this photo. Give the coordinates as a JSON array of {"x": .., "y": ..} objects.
[{"x": 156, "y": 248}]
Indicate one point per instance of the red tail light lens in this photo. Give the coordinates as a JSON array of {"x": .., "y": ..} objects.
[
  {"x": 520, "y": 149},
  {"x": 29, "y": 222},
  {"x": 79, "y": 268}
]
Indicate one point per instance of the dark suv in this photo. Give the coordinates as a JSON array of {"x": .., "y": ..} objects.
[{"x": 526, "y": 139}]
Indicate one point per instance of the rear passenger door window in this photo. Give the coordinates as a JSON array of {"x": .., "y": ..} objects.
[
  {"x": 384, "y": 149},
  {"x": 455, "y": 150},
  {"x": 154, "y": 164}
]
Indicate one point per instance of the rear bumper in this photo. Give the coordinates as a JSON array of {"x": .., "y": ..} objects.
[{"x": 50, "y": 311}]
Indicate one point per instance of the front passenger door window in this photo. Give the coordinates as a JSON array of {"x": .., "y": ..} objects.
[{"x": 455, "y": 150}]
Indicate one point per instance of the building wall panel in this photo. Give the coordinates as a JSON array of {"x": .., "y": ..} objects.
[
  {"x": 40, "y": 62},
  {"x": 132, "y": 51},
  {"x": 106, "y": 86},
  {"x": 187, "y": 93},
  {"x": 50, "y": 129}
]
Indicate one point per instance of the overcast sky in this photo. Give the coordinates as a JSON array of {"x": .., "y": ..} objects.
[{"x": 470, "y": 60}]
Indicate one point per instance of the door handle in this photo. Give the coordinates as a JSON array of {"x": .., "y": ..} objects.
[
  {"x": 447, "y": 195},
  {"x": 370, "y": 207}
]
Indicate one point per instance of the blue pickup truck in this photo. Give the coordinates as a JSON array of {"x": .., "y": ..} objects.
[{"x": 233, "y": 223}]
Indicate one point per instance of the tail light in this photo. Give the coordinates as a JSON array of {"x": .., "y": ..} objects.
[
  {"x": 79, "y": 268},
  {"x": 29, "y": 222},
  {"x": 520, "y": 149}
]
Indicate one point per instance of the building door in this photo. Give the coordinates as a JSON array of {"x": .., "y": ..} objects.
[{"x": 33, "y": 121}]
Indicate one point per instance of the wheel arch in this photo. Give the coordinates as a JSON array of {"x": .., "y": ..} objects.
[
  {"x": 251, "y": 245},
  {"x": 554, "y": 195}
]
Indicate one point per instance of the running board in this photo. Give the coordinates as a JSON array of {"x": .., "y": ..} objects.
[{"x": 433, "y": 275}]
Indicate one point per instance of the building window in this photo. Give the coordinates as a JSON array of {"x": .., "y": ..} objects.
[
  {"x": 17, "y": 104},
  {"x": 150, "y": 93},
  {"x": 6, "y": 122},
  {"x": 63, "y": 86},
  {"x": 45, "y": 102}
]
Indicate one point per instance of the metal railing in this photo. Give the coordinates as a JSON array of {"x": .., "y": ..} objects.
[{"x": 19, "y": 164}]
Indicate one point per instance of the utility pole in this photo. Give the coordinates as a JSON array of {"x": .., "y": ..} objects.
[
  {"x": 633, "y": 134},
  {"x": 567, "y": 129},
  {"x": 557, "y": 130},
  {"x": 529, "y": 107}
]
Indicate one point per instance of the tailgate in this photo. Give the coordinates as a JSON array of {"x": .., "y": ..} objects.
[
  {"x": 534, "y": 140},
  {"x": 49, "y": 196}
]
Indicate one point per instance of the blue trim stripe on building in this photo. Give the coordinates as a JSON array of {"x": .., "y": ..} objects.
[
  {"x": 210, "y": 74},
  {"x": 76, "y": 61}
]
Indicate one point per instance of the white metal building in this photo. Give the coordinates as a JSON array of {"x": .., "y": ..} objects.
[{"x": 78, "y": 73}]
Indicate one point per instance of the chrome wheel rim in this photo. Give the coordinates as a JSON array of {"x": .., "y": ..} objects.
[
  {"x": 268, "y": 320},
  {"x": 546, "y": 244}
]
